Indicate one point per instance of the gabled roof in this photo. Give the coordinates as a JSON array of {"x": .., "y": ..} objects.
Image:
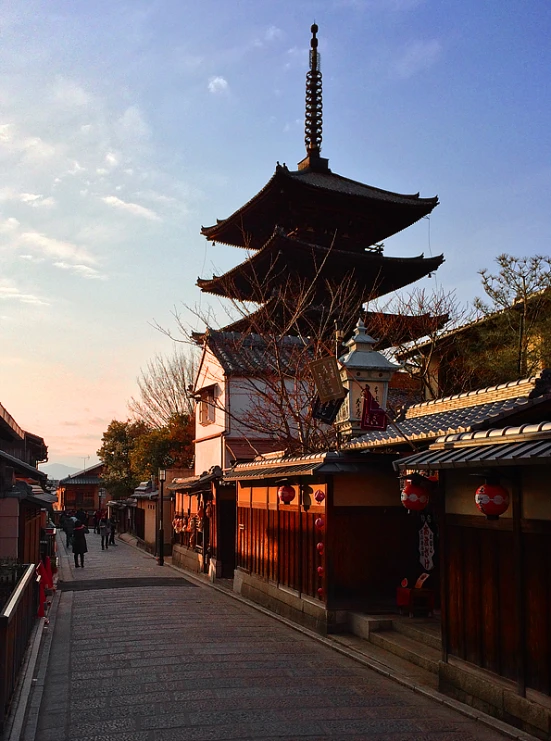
[
  {"x": 459, "y": 413},
  {"x": 367, "y": 215},
  {"x": 90, "y": 475},
  {"x": 284, "y": 264},
  {"x": 251, "y": 355}
]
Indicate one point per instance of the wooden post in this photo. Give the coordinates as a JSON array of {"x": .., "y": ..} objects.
[
  {"x": 519, "y": 581},
  {"x": 444, "y": 563}
]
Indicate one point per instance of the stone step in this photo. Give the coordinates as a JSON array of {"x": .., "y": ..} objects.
[
  {"x": 422, "y": 631},
  {"x": 408, "y": 649},
  {"x": 385, "y": 661}
]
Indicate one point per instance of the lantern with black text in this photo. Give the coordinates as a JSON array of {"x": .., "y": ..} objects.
[
  {"x": 492, "y": 500},
  {"x": 286, "y": 494},
  {"x": 415, "y": 496}
]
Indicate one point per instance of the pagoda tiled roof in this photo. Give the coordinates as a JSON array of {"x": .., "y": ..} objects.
[
  {"x": 404, "y": 328},
  {"x": 283, "y": 262},
  {"x": 367, "y": 214}
]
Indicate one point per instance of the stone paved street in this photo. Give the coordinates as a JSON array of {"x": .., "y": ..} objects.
[{"x": 161, "y": 658}]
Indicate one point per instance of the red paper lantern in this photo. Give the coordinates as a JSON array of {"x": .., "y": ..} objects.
[
  {"x": 319, "y": 523},
  {"x": 286, "y": 494},
  {"x": 492, "y": 500},
  {"x": 320, "y": 548},
  {"x": 320, "y": 570},
  {"x": 414, "y": 497},
  {"x": 320, "y": 592},
  {"x": 319, "y": 496}
]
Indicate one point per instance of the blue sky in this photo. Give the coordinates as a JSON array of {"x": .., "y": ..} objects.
[{"x": 126, "y": 126}]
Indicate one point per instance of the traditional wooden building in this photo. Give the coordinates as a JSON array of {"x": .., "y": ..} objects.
[
  {"x": 83, "y": 490},
  {"x": 495, "y": 563},
  {"x": 20, "y": 511},
  {"x": 367, "y": 540}
]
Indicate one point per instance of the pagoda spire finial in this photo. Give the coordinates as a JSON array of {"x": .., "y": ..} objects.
[{"x": 313, "y": 120}]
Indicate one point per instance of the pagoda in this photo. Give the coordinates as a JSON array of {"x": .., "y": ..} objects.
[{"x": 311, "y": 233}]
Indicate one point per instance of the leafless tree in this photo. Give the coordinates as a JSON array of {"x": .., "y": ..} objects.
[
  {"x": 164, "y": 388},
  {"x": 417, "y": 345},
  {"x": 289, "y": 318}
]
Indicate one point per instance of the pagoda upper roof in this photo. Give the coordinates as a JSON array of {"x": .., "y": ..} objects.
[
  {"x": 286, "y": 263},
  {"x": 275, "y": 315},
  {"x": 319, "y": 200}
]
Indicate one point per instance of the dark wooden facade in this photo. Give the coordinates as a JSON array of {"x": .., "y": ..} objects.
[
  {"x": 497, "y": 581},
  {"x": 349, "y": 551},
  {"x": 496, "y": 573}
]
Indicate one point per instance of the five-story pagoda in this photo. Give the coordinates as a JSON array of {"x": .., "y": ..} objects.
[{"x": 314, "y": 242}]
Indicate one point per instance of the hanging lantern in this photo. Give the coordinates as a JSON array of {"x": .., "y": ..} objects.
[
  {"x": 319, "y": 523},
  {"x": 286, "y": 494},
  {"x": 320, "y": 548},
  {"x": 492, "y": 500},
  {"x": 319, "y": 496},
  {"x": 414, "y": 497},
  {"x": 320, "y": 571},
  {"x": 320, "y": 592}
]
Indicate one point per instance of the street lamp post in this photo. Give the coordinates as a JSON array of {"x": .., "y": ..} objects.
[{"x": 162, "y": 479}]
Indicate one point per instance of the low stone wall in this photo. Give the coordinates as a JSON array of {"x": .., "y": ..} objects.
[
  {"x": 187, "y": 558},
  {"x": 300, "y": 609},
  {"x": 496, "y": 696}
]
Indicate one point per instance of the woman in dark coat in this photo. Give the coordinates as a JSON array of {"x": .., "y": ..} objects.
[{"x": 79, "y": 542}]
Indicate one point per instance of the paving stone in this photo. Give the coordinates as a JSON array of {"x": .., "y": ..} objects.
[{"x": 148, "y": 662}]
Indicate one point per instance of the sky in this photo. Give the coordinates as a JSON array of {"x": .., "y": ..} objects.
[{"x": 125, "y": 126}]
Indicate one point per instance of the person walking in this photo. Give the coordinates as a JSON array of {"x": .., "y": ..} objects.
[
  {"x": 113, "y": 523},
  {"x": 69, "y": 527},
  {"x": 79, "y": 543},
  {"x": 104, "y": 531}
]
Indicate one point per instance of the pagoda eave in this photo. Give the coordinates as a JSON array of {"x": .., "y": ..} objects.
[
  {"x": 309, "y": 197},
  {"x": 278, "y": 265}
]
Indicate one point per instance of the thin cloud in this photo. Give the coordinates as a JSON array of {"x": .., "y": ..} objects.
[
  {"x": 417, "y": 57},
  {"x": 218, "y": 85},
  {"x": 132, "y": 208},
  {"x": 12, "y": 293},
  {"x": 83, "y": 270},
  {"x": 55, "y": 248}
]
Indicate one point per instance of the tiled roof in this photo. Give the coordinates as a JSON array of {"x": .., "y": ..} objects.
[
  {"x": 459, "y": 413},
  {"x": 251, "y": 355},
  {"x": 337, "y": 183},
  {"x": 510, "y": 446}
]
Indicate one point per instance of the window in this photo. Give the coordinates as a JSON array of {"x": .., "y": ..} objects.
[{"x": 206, "y": 406}]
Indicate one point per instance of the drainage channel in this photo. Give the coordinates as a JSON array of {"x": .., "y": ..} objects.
[{"x": 87, "y": 585}]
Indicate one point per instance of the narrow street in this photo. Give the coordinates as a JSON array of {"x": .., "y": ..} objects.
[{"x": 154, "y": 656}]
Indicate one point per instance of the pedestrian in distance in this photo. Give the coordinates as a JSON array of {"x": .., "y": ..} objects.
[
  {"x": 97, "y": 518},
  {"x": 69, "y": 527},
  {"x": 79, "y": 543},
  {"x": 113, "y": 524},
  {"x": 104, "y": 531}
]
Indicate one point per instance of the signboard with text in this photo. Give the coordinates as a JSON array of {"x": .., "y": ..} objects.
[
  {"x": 373, "y": 417},
  {"x": 327, "y": 379}
]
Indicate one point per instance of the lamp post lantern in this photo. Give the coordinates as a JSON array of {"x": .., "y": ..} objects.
[{"x": 162, "y": 479}]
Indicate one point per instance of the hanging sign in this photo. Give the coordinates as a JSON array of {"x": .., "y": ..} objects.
[
  {"x": 373, "y": 417},
  {"x": 327, "y": 379},
  {"x": 327, "y": 411},
  {"x": 426, "y": 547}
]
